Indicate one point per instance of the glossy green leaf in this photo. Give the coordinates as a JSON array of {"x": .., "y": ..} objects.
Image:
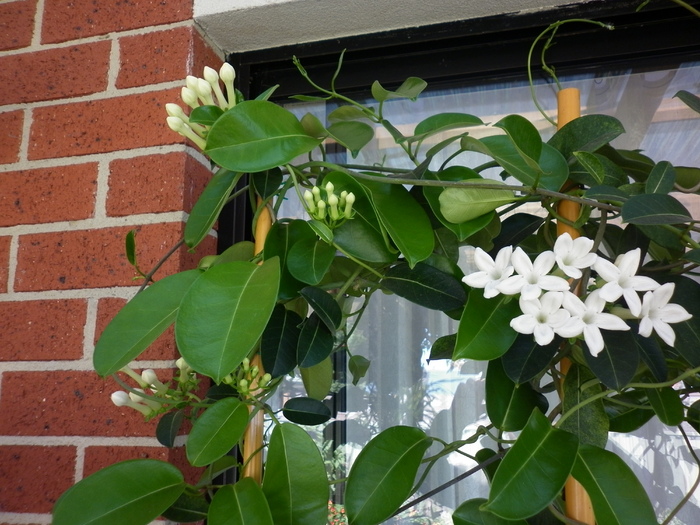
[
  {"x": 224, "y": 313},
  {"x": 692, "y": 256},
  {"x": 693, "y": 415},
  {"x": 323, "y": 231},
  {"x": 134, "y": 492},
  {"x": 295, "y": 482},
  {"x": 324, "y": 305},
  {"x": 206, "y": 115},
  {"x": 216, "y": 431},
  {"x": 313, "y": 126},
  {"x": 426, "y": 286},
  {"x": 403, "y": 218},
  {"x": 617, "y": 496},
  {"x": 515, "y": 229},
  {"x": 308, "y": 260},
  {"x": 141, "y": 321},
  {"x": 358, "y": 366},
  {"x": 624, "y": 416},
  {"x": 353, "y": 135},
  {"x": 590, "y": 422},
  {"x": 534, "y": 471},
  {"x": 188, "y": 508},
  {"x": 256, "y": 136},
  {"x": 593, "y": 169},
  {"x": 690, "y": 100},
  {"x": 459, "y": 205},
  {"x": 525, "y": 359},
  {"x": 607, "y": 194},
  {"x": 278, "y": 345},
  {"x": 586, "y": 133},
  {"x": 482, "y": 456},
  {"x": 523, "y": 134},
  {"x": 484, "y": 331},
  {"x": 344, "y": 113},
  {"x": 306, "y": 411},
  {"x": 509, "y": 405},
  {"x": 382, "y": 476},
  {"x": 687, "y": 177},
  {"x": 278, "y": 243},
  {"x": 661, "y": 179},
  {"x": 616, "y": 364},
  {"x": 241, "y": 251},
  {"x": 240, "y": 504},
  {"x": 687, "y": 344},
  {"x": 318, "y": 379},
  {"x": 443, "y": 347},
  {"x": 267, "y": 182},
  {"x": 470, "y": 513},
  {"x": 411, "y": 88},
  {"x": 443, "y": 122},
  {"x": 130, "y": 247},
  {"x": 208, "y": 207},
  {"x": 667, "y": 405},
  {"x": 652, "y": 354},
  {"x": 654, "y": 208},
  {"x": 169, "y": 427},
  {"x": 315, "y": 342}
]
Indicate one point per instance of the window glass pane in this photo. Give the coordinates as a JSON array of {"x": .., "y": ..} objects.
[{"x": 445, "y": 398}]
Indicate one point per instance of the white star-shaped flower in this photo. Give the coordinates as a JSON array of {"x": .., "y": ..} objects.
[
  {"x": 588, "y": 318},
  {"x": 491, "y": 272},
  {"x": 574, "y": 254},
  {"x": 541, "y": 317},
  {"x": 532, "y": 278},
  {"x": 657, "y": 313},
  {"x": 621, "y": 280}
]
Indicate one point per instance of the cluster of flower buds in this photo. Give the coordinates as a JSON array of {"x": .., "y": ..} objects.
[
  {"x": 153, "y": 397},
  {"x": 549, "y": 307},
  {"x": 330, "y": 208},
  {"x": 202, "y": 92},
  {"x": 248, "y": 379}
]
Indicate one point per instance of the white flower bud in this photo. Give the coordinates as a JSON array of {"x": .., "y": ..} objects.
[
  {"x": 228, "y": 75},
  {"x": 136, "y": 398},
  {"x": 189, "y": 97},
  {"x": 191, "y": 82},
  {"x": 212, "y": 77},
  {"x": 177, "y": 125},
  {"x": 150, "y": 377},
  {"x": 121, "y": 398},
  {"x": 173, "y": 110},
  {"x": 204, "y": 92}
]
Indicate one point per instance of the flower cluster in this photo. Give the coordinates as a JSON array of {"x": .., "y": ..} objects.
[
  {"x": 153, "y": 397},
  {"x": 248, "y": 379},
  {"x": 202, "y": 92},
  {"x": 333, "y": 209},
  {"x": 549, "y": 307}
]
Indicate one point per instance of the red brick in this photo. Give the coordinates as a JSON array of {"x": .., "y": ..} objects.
[
  {"x": 16, "y": 24},
  {"x": 65, "y": 193},
  {"x": 97, "y": 458},
  {"x": 155, "y": 57},
  {"x": 4, "y": 263},
  {"x": 95, "y": 258},
  {"x": 10, "y": 135},
  {"x": 81, "y": 18},
  {"x": 99, "y": 126},
  {"x": 32, "y": 477},
  {"x": 42, "y": 330},
  {"x": 55, "y": 73},
  {"x": 203, "y": 55},
  {"x": 162, "y": 348},
  {"x": 66, "y": 403},
  {"x": 155, "y": 183}
]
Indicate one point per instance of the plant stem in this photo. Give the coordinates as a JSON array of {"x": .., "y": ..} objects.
[{"x": 149, "y": 276}]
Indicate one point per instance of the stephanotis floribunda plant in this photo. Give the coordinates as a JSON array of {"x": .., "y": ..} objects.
[{"x": 616, "y": 301}]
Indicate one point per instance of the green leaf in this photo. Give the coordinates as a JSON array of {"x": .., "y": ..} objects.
[
  {"x": 525, "y": 359},
  {"x": 188, "y": 508},
  {"x": 306, "y": 411},
  {"x": 323, "y": 231},
  {"x": 266, "y": 183},
  {"x": 661, "y": 179},
  {"x": 168, "y": 427},
  {"x": 470, "y": 513},
  {"x": 358, "y": 366},
  {"x": 654, "y": 208},
  {"x": 616, "y": 364},
  {"x": 590, "y": 422},
  {"x": 443, "y": 122},
  {"x": 651, "y": 353},
  {"x": 586, "y": 133},
  {"x": 484, "y": 331},
  {"x": 318, "y": 379},
  {"x": 257, "y": 135},
  {"x": 216, "y": 431},
  {"x": 206, "y": 115},
  {"x": 295, "y": 482},
  {"x": 130, "y": 247},
  {"x": 308, "y": 260},
  {"x": 353, "y": 135},
  {"x": 224, "y": 313},
  {"x": 515, "y": 229},
  {"x": 626, "y": 418},
  {"x": 509, "y": 405},
  {"x": 141, "y": 321},
  {"x": 443, "y": 347},
  {"x": 617, "y": 496},
  {"x": 134, "y": 492},
  {"x": 324, "y": 305},
  {"x": 404, "y": 219},
  {"x": 607, "y": 194},
  {"x": 667, "y": 405},
  {"x": 523, "y": 134},
  {"x": 690, "y": 100},
  {"x": 694, "y": 415},
  {"x": 345, "y": 113},
  {"x": 315, "y": 342},
  {"x": 534, "y": 471},
  {"x": 411, "y": 88},
  {"x": 278, "y": 243},
  {"x": 208, "y": 207},
  {"x": 382, "y": 476},
  {"x": 426, "y": 286},
  {"x": 241, "y": 251},
  {"x": 459, "y": 205},
  {"x": 278, "y": 345},
  {"x": 692, "y": 256},
  {"x": 313, "y": 126},
  {"x": 240, "y": 504},
  {"x": 593, "y": 169}
]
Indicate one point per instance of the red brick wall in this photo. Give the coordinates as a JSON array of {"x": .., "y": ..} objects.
[{"x": 85, "y": 156}]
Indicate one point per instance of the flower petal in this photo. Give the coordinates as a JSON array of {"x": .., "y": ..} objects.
[{"x": 594, "y": 340}]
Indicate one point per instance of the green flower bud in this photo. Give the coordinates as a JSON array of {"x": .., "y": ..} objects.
[
  {"x": 333, "y": 207},
  {"x": 349, "y": 201},
  {"x": 329, "y": 189},
  {"x": 316, "y": 193},
  {"x": 309, "y": 200},
  {"x": 321, "y": 210}
]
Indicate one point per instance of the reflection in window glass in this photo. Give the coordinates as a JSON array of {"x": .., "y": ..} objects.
[{"x": 445, "y": 398}]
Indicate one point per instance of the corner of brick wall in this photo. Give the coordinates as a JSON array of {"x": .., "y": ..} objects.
[{"x": 85, "y": 156}]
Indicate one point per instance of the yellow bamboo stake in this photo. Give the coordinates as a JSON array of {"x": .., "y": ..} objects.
[
  {"x": 253, "y": 438},
  {"x": 578, "y": 503}
]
